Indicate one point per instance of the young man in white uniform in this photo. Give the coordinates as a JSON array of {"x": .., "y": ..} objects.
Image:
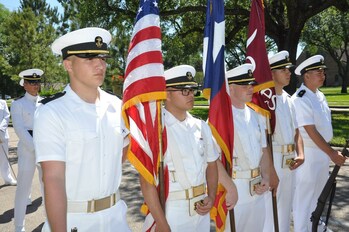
[
  {"x": 313, "y": 119},
  {"x": 191, "y": 159},
  {"x": 79, "y": 138},
  {"x": 22, "y": 113},
  {"x": 251, "y": 158},
  {"x": 285, "y": 141},
  {"x": 5, "y": 169}
]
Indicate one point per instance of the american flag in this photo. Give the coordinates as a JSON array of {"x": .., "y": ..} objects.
[
  {"x": 144, "y": 89},
  {"x": 264, "y": 98},
  {"x": 220, "y": 116}
]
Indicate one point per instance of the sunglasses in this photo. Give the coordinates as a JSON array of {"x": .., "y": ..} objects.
[
  {"x": 185, "y": 91},
  {"x": 33, "y": 83}
]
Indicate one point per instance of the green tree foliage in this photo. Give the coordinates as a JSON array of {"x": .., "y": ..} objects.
[
  {"x": 183, "y": 23},
  {"x": 27, "y": 36},
  {"x": 5, "y": 81},
  {"x": 329, "y": 31}
]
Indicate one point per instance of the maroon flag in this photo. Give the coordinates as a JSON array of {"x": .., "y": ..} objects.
[{"x": 264, "y": 98}]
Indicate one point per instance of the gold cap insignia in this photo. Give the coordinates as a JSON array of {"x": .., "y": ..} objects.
[
  {"x": 189, "y": 75},
  {"x": 322, "y": 61},
  {"x": 99, "y": 41},
  {"x": 250, "y": 73},
  {"x": 287, "y": 58}
]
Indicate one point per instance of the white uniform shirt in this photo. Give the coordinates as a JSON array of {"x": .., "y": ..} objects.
[
  {"x": 249, "y": 127},
  {"x": 194, "y": 139},
  {"x": 312, "y": 109},
  {"x": 284, "y": 129},
  {"x": 89, "y": 138},
  {"x": 4, "y": 120},
  {"x": 22, "y": 113}
]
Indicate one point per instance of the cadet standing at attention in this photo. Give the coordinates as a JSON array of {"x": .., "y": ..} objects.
[
  {"x": 313, "y": 119},
  {"x": 285, "y": 142},
  {"x": 22, "y": 113},
  {"x": 79, "y": 139},
  {"x": 191, "y": 159},
  {"x": 251, "y": 158}
]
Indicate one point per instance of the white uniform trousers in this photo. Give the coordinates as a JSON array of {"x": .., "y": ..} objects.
[
  {"x": 284, "y": 197},
  {"x": 177, "y": 215},
  {"x": 310, "y": 178},
  {"x": 249, "y": 217},
  {"x": 26, "y": 170},
  {"x": 5, "y": 168}
]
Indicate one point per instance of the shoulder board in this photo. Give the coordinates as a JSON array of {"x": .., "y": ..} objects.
[
  {"x": 249, "y": 106},
  {"x": 18, "y": 98},
  {"x": 114, "y": 94},
  {"x": 196, "y": 117},
  {"x": 301, "y": 93},
  {"x": 52, "y": 97},
  {"x": 110, "y": 92}
]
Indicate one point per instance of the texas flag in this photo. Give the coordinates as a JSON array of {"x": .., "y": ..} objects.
[{"x": 220, "y": 116}]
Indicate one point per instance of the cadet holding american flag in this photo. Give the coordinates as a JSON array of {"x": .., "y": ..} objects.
[{"x": 190, "y": 157}]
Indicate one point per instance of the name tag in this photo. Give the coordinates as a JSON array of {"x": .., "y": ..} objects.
[
  {"x": 253, "y": 183},
  {"x": 287, "y": 161},
  {"x": 193, "y": 202}
]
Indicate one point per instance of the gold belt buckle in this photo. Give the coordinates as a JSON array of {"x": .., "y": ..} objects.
[
  {"x": 91, "y": 206},
  {"x": 290, "y": 148},
  {"x": 255, "y": 172},
  {"x": 198, "y": 190},
  {"x": 101, "y": 204}
]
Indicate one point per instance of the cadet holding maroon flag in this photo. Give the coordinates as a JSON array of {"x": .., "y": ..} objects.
[
  {"x": 313, "y": 119},
  {"x": 285, "y": 139}
]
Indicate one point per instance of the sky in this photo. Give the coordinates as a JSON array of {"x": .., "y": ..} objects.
[{"x": 14, "y": 4}]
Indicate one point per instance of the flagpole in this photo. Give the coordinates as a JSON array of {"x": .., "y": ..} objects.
[
  {"x": 273, "y": 193},
  {"x": 231, "y": 212},
  {"x": 162, "y": 194}
]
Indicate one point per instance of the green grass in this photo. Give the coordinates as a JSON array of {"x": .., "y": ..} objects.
[
  {"x": 335, "y": 98},
  {"x": 333, "y": 95},
  {"x": 340, "y": 123},
  {"x": 201, "y": 113},
  {"x": 200, "y": 100}
]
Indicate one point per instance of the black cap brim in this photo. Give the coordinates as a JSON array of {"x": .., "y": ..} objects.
[{"x": 92, "y": 55}]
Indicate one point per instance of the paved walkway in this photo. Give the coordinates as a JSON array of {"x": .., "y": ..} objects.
[{"x": 131, "y": 194}]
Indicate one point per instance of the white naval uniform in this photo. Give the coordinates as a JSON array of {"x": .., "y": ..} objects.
[
  {"x": 22, "y": 113},
  {"x": 249, "y": 132},
  {"x": 89, "y": 139},
  {"x": 283, "y": 134},
  {"x": 5, "y": 170},
  {"x": 311, "y": 176},
  {"x": 193, "y": 138}
]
